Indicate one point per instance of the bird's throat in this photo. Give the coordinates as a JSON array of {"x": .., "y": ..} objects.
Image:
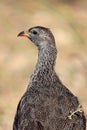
[{"x": 44, "y": 69}]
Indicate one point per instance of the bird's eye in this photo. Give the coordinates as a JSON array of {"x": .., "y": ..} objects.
[{"x": 34, "y": 32}]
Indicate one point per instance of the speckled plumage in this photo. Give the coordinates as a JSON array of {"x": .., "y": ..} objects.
[{"x": 47, "y": 103}]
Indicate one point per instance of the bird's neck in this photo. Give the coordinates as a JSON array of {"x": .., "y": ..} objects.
[
  {"x": 46, "y": 58},
  {"x": 44, "y": 69}
]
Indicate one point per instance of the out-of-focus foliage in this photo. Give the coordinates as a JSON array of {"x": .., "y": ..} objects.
[{"x": 68, "y": 21}]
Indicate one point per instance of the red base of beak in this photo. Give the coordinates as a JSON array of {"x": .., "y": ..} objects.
[{"x": 22, "y": 34}]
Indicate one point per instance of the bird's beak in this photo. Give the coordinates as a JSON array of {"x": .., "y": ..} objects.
[{"x": 23, "y": 34}]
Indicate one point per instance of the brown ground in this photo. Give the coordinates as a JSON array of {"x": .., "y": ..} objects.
[{"x": 68, "y": 21}]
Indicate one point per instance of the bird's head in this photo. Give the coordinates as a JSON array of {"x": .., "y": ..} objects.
[{"x": 39, "y": 35}]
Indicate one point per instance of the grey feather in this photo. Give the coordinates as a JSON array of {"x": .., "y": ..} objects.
[{"x": 47, "y": 103}]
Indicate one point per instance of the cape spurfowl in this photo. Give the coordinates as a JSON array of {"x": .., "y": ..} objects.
[{"x": 47, "y": 104}]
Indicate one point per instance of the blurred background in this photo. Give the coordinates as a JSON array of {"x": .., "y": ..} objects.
[{"x": 68, "y": 21}]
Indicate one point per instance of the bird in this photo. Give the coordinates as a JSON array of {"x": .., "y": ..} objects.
[{"x": 47, "y": 104}]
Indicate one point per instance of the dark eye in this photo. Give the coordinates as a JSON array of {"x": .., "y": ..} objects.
[{"x": 34, "y": 32}]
